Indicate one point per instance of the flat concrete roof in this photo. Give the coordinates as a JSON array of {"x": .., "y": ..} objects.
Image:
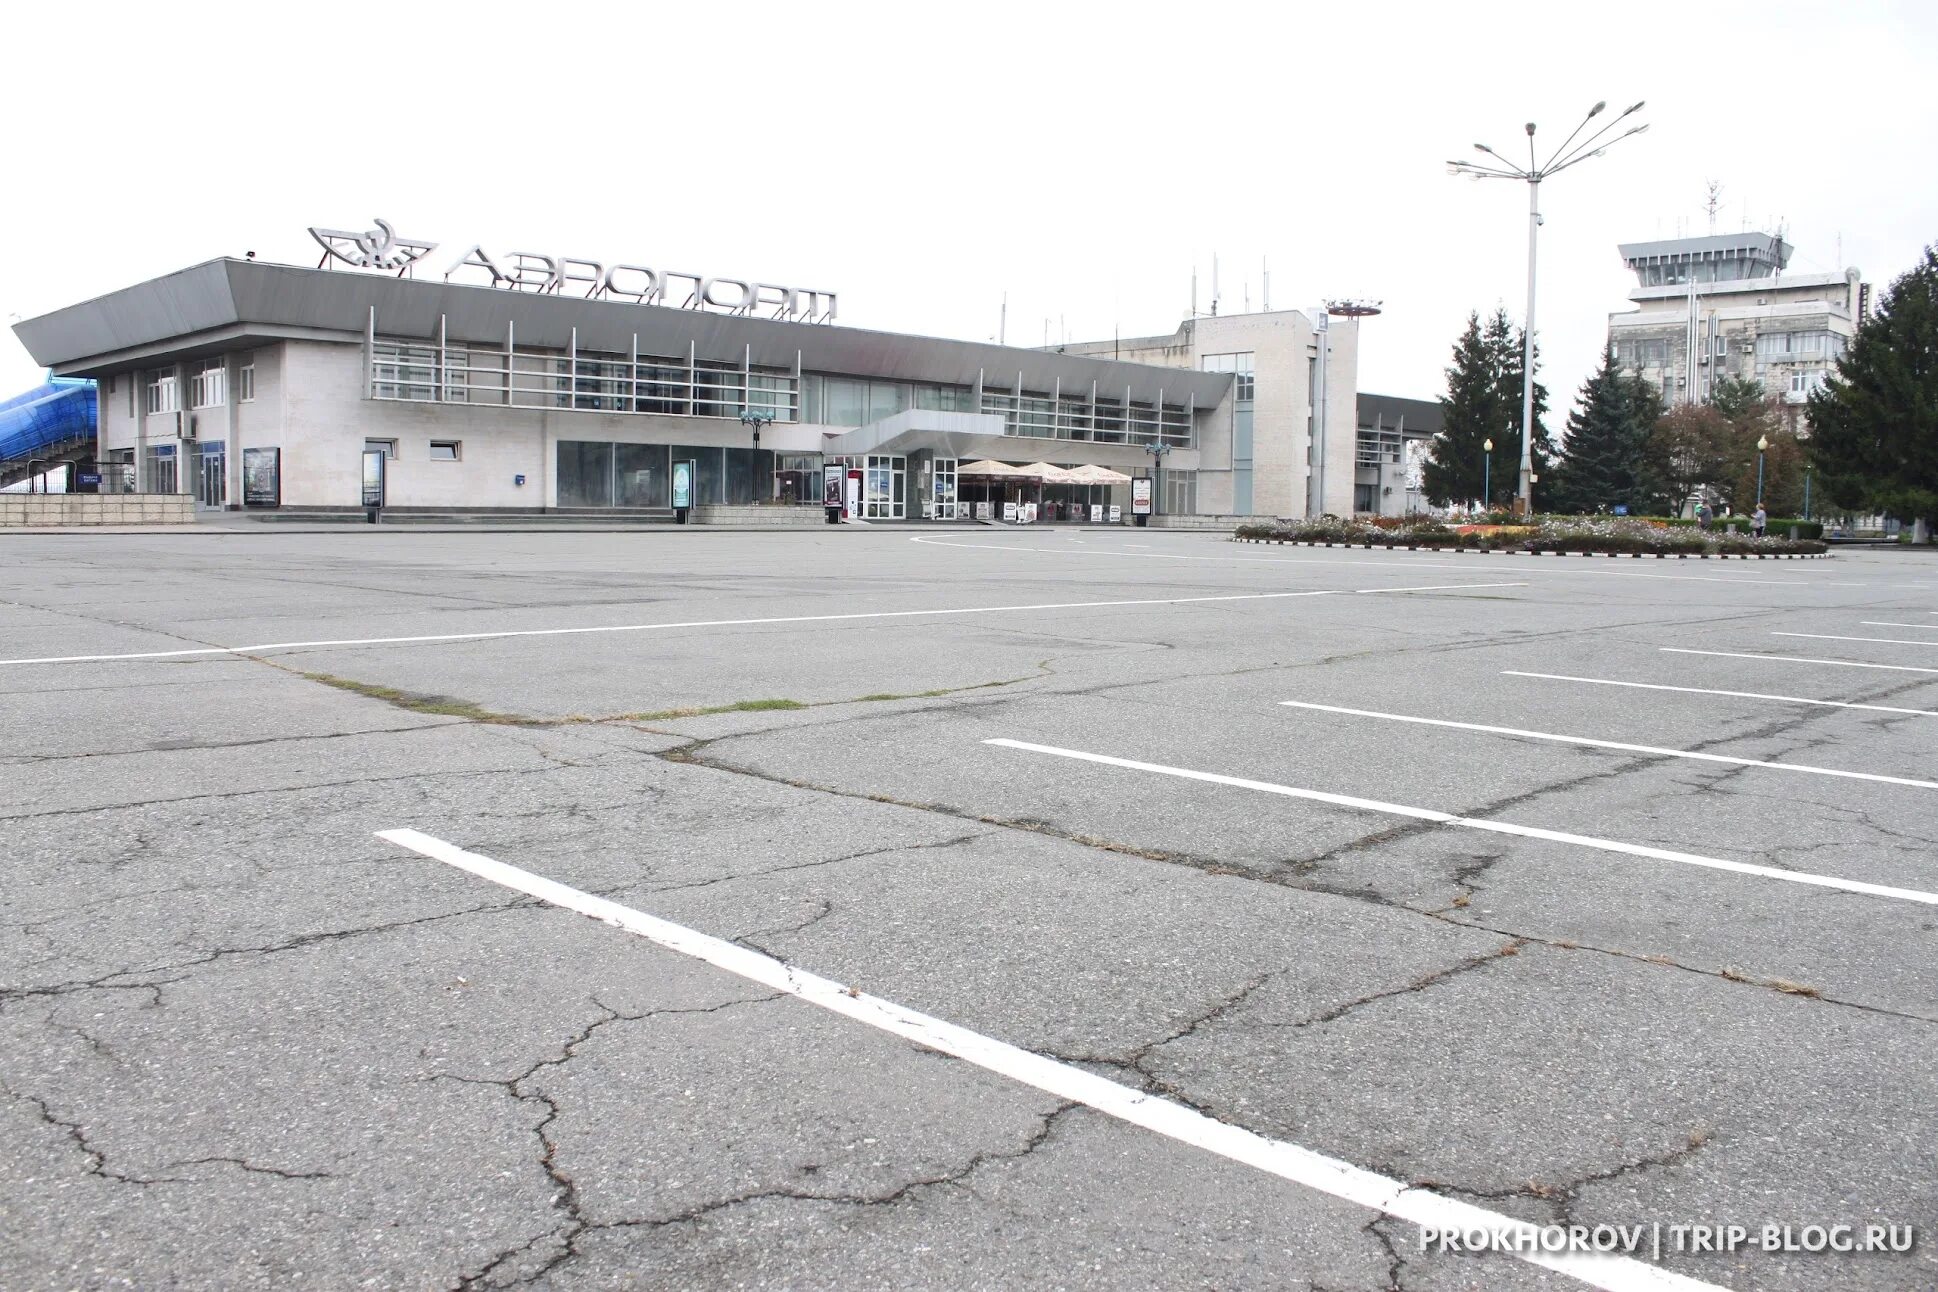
[{"x": 229, "y": 304}]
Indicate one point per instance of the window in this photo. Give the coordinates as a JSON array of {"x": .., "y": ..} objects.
[
  {"x": 1722, "y": 345},
  {"x": 1239, "y": 365},
  {"x": 445, "y": 450},
  {"x": 387, "y": 447},
  {"x": 1781, "y": 345},
  {"x": 246, "y": 382},
  {"x": 208, "y": 383},
  {"x": 162, "y": 397}
]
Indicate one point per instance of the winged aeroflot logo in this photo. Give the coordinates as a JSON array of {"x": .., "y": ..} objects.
[{"x": 378, "y": 248}]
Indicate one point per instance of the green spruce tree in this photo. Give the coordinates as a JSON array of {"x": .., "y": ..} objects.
[
  {"x": 1470, "y": 414},
  {"x": 1874, "y": 424},
  {"x": 1604, "y": 463}
]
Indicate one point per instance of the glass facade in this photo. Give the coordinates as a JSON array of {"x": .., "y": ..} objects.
[{"x": 599, "y": 473}]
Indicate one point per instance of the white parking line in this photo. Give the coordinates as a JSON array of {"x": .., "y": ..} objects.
[
  {"x": 1796, "y": 659},
  {"x": 1561, "y": 566},
  {"x": 1654, "y": 751},
  {"x": 1495, "y": 827},
  {"x": 1302, "y": 1166},
  {"x": 741, "y": 623},
  {"x": 1701, "y": 690},
  {"x": 1884, "y": 641},
  {"x": 1892, "y": 623}
]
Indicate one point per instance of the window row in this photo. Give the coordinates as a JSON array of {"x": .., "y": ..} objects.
[
  {"x": 1100, "y": 420},
  {"x": 590, "y": 381},
  {"x": 208, "y": 386},
  {"x": 1780, "y": 345}
]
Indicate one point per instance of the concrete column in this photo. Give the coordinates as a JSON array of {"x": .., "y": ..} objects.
[
  {"x": 184, "y": 463},
  {"x": 232, "y": 464},
  {"x": 140, "y": 378}
]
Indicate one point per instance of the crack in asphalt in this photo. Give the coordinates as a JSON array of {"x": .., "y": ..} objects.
[
  {"x": 1284, "y": 874},
  {"x": 1563, "y": 1196},
  {"x": 97, "y": 1160},
  {"x": 255, "y": 1168},
  {"x": 1512, "y": 947},
  {"x": 568, "y": 1200},
  {"x": 27, "y": 760},
  {"x": 277, "y": 789},
  {"x": 956, "y": 842},
  {"x": 109, "y": 981}
]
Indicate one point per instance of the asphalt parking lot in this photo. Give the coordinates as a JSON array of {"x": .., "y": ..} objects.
[{"x": 974, "y": 909}]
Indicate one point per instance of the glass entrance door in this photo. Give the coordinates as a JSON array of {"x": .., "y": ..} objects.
[
  {"x": 885, "y": 487},
  {"x": 945, "y": 489},
  {"x": 211, "y": 483}
]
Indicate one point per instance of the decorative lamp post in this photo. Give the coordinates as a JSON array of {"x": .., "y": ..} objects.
[
  {"x": 1762, "y": 447},
  {"x": 1532, "y": 174},
  {"x": 1806, "y": 491},
  {"x": 756, "y": 418},
  {"x": 1157, "y": 449},
  {"x": 1487, "y": 474}
]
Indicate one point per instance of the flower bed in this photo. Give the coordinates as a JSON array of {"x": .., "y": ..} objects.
[{"x": 1561, "y": 535}]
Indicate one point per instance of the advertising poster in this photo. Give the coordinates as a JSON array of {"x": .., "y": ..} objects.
[
  {"x": 1116, "y": 514},
  {"x": 1096, "y": 513},
  {"x": 683, "y": 484},
  {"x": 373, "y": 478},
  {"x": 1141, "y": 496},
  {"x": 262, "y": 477},
  {"x": 831, "y": 478}
]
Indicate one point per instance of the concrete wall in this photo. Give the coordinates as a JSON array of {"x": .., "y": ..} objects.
[
  {"x": 1209, "y": 522},
  {"x": 42, "y": 509},
  {"x": 760, "y": 517}
]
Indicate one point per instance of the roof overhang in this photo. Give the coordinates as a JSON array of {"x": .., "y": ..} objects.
[{"x": 234, "y": 302}]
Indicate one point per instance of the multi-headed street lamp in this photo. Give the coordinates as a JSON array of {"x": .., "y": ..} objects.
[
  {"x": 1569, "y": 154},
  {"x": 1157, "y": 449}
]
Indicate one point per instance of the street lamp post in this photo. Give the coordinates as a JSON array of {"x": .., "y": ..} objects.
[
  {"x": 1487, "y": 474},
  {"x": 756, "y": 418},
  {"x": 1157, "y": 449},
  {"x": 1532, "y": 174},
  {"x": 1806, "y": 491},
  {"x": 1762, "y": 447}
]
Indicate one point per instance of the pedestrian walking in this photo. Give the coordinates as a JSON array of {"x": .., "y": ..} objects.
[
  {"x": 1702, "y": 515},
  {"x": 1758, "y": 521}
]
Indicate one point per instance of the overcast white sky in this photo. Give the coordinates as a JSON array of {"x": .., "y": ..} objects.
[{"x": 922, "y": 159}]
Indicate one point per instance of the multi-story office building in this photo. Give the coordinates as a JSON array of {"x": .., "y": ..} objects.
[{"x": 1723, "y": 305}]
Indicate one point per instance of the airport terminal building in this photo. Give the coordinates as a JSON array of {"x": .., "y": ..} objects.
[{"x": 547, "y": 383}]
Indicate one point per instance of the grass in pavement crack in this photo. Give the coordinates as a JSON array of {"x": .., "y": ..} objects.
[{"x": 440, "y": 705}]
